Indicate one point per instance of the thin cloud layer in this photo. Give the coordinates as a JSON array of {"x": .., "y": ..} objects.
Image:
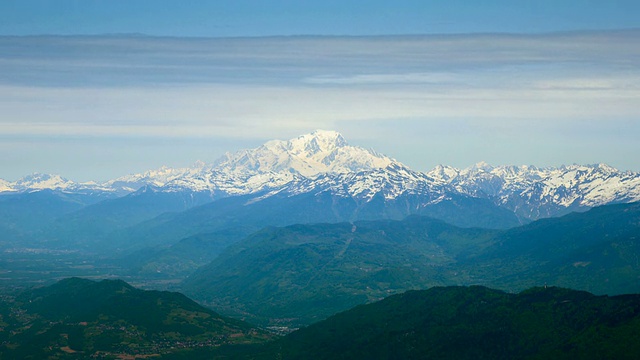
[{"x": 254, "y": 89}]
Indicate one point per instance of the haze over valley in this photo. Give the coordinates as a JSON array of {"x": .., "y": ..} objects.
[
  {"x": 163, "y": 228},
  {"x": 319, "y": 180},
  {"x": 292, "y": 232}
]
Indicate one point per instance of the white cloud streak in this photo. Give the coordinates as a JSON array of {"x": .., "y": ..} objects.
[{"x": 258, "y": 89}]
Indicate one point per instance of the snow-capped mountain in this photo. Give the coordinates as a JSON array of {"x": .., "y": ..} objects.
[
  {"x": 5, "y": 186},
  {"x": 307, "y": 155},
  {"x": 323, "y": 162},
  {"x": 267, "y": 167},
  {"x": 156, "y": 178},
  {"x": 37, "y": 181},
  {"x": 389, "y": 182},
  {"x": 535, "y": 192}
]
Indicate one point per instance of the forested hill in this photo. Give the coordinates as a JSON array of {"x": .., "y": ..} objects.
[
  {"x": 474, "y": 323},
  {"x": 79, "y": 318}
]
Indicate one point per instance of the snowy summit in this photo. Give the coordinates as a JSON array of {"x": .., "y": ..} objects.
[
  {"x": 323, "y": 162},
  {"x": 318, "y": 152}
]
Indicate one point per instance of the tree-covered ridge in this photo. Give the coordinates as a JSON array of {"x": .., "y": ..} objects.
[
  {"x": 299, "y": 274},
  {"x": 474, "y": 323},
  {"x": 595, "y": 251},
  {"x": 304, "y": 273},
  {"x": 79, "y": 318},
  {"x": 442, "y": 322}
]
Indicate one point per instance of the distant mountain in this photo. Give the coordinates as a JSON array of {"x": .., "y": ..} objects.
[
  {"x": 534, "y": 193},
  {"x": 323, "y": 200},
  {"x": 24, "y": 214},
  {"x": 396, "y": 191},
  {"x": 78, "y": 318},
  {"x": 5, "y": 186},
  {"x": 269, "y": 166},
  {"x": 100, "y": 223},
  {"x": 596, "y": 251},
  {"x": 37, "y": 181},
  {"x": 307, "y": 155},
  {"x": 473, "y": 323},
  {"x": 324, "y": 161},
  {"x": 305, "y": 272},
  {"x": 322, "y": 164},
  {"x": 153, "y": 178},
  {"x": 314, "y": 178}
]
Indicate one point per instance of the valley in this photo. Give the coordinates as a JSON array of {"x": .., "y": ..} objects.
[{"x": 287, "y": 235}]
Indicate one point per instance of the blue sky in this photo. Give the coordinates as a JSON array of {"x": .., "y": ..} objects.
[
  {"x": 296, "y": 17},
  {"x": 498, "y": 83}
]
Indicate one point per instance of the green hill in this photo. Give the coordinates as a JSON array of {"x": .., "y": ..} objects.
[
  {"x": 596, "y": 251},
  {"x": 474, "y": 323},
  {"x": 303, "y": 273},
  {"x": 300, "y": 274},
  {"x": 78, "y": 318}
]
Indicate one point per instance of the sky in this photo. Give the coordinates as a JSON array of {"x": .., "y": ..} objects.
[{"x": 134, "y": 85}]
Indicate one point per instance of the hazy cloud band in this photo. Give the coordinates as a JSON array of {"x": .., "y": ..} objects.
[{"x": 260, "y": 88}]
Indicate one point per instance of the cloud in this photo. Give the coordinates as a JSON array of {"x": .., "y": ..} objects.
[
  {"x": 253, "y": 89},
  {"x": 387, "y": 79},
  {"x": 628, "y": 84}
]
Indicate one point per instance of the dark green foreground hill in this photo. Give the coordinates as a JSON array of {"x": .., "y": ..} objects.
[
  {"x": 78, "y": 318},
  {"x": 473, "y": 323}
]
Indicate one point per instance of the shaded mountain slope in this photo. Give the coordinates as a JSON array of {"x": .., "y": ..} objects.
[
  {"x": 22, "y": 215},
  {"x": 78, "y": 318},
  {"x": 99, "y": 224},
  {"x": 306, "y": 272},
  {"x": 253, "y": 212},
  {"x": 597, "y": 251},
  {"x": 474, "y": 323}
]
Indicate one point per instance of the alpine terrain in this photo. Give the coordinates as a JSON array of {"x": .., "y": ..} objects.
[
  {"x": 323, "y": 161},
  {"x": 168, "y": 222},
  {"x": 360, "y": 183}
]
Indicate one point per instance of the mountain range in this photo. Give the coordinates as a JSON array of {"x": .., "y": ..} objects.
[
  {"x": 323, "y": 162},
  {"x": 299, "y": 274},
  {"x": 166, "y": 223},
  {"x": 292, "y": 232}
]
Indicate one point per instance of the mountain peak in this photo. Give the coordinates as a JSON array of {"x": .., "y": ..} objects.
[
  {"x": 318, "y": 152},
  {"x": 320, "y": 141},
  {"x": 199, "y": 164},
  {"x": 482, "y": 166},
  {"x": 5, "y": 186},
  {"x": 37, "y": 181},
  {"x": 607, "y": 168}
]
